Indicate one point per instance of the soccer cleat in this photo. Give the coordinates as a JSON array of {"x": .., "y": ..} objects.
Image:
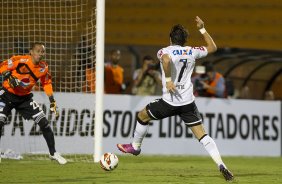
[
  {"x": 58, "y": 158},
  {"x": 228, "y": 176},
  {"x": 128, "y": 148}
]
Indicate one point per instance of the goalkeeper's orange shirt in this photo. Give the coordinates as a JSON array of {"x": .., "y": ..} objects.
[
  {"x": 113, "y": 79},
  {"x": 27, "y": 73}
]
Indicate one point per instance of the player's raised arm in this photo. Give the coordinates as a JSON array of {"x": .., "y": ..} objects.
[{"x": 211, "y": 46}]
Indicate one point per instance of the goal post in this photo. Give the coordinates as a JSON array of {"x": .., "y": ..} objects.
[
  {"x": 99, "y": 107},
  {"x": 68, "y": 30}
]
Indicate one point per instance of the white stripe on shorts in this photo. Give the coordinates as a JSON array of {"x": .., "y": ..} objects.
[
  {"x": 192, "y": 123},
  {"x": 34, "y": 116},
  {"x": 152, "y": 114}
]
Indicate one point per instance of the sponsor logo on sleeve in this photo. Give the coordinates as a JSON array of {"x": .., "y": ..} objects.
[{"x": 10, "y": 63}]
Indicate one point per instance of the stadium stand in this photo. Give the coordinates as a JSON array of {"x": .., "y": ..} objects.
[{"x": 256, "y": 25}]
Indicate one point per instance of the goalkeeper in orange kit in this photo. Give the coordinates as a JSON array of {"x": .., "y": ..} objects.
[{"x": 20, "y": 74}]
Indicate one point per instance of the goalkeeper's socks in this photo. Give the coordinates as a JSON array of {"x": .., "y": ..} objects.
[
  {"x": 140, "y": 132},
  {"x": 49, "y": 137},
  {"x": 211, "y": 148}
]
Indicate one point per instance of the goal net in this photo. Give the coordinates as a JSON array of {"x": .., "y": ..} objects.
[{"x": 67, "y": 28}]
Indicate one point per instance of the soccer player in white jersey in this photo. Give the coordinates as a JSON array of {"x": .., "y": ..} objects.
[{"x": 177, "y": 64}]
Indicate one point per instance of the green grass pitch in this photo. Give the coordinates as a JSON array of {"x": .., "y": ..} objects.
[{"x": 144, "y": 169}]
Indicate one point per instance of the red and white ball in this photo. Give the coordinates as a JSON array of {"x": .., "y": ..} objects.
[{"x": 109, "y": 161}]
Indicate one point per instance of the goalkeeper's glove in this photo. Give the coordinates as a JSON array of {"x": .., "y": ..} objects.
[
  {"x": 53, "y": 106},
  {"x": 13, "y": 81}
]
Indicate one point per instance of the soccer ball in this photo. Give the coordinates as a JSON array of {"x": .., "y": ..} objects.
[{"x": 109, "y": 161}]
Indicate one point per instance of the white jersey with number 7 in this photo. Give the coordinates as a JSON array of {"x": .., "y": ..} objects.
[{"x": 182, "y": 65}]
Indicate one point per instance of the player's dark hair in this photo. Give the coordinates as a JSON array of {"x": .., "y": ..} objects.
[
  {"x": 35, "y": 44},
  {"x": 178, "y": 35}
]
